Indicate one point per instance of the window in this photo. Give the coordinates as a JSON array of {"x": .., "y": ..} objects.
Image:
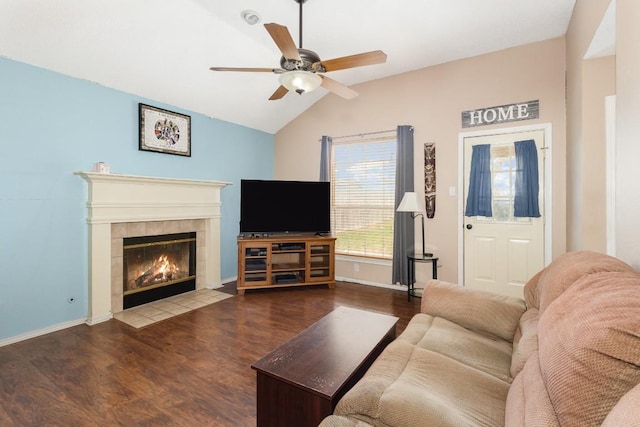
[
  {"x": 363, "y": 197},
  {"x": 503, "y": 174}
]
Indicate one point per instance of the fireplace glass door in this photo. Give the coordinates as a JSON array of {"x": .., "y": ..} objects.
[{"x": 157, "y": 267}]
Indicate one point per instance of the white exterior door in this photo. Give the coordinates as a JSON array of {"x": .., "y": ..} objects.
[{"x": 502, "y": 252}]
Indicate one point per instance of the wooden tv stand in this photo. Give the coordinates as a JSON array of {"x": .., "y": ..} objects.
[{"x": 283, "y": 261}]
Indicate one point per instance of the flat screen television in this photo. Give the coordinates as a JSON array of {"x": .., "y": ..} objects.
[{"x": 278, "y": 207}]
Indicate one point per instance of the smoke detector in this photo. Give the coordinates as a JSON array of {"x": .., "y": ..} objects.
[{"x": 251, "y": 17}]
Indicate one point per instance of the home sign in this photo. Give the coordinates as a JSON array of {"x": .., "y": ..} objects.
[{"x": 501, "y": 114}]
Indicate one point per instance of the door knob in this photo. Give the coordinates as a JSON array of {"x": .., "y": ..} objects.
[{"x": 469, "y": 226}]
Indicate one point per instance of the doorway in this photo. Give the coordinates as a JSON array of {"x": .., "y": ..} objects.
[{"x": 499, "y": 253}]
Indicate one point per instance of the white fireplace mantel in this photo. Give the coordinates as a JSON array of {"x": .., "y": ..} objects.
[{"x": 115, "y": 198}]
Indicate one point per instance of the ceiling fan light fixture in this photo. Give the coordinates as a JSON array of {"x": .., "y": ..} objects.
[{"x": 300, "y": 81}]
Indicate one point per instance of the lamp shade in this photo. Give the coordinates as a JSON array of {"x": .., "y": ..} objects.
[
  {"x": 410, "y": 203},
  {"x": 300, "y": 81}
]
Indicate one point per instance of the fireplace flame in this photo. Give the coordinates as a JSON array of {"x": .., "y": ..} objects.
[{"x": 162, "y": 271}]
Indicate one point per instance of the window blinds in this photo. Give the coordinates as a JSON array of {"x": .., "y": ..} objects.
[{"x": 363, "y": 197}]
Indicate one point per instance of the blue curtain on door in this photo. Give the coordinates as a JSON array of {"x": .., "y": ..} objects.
[
  {"x": 479, "y": 196},
  {"x": 527, "y": 186}
]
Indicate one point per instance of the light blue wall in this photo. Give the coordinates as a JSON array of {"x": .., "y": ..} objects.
[{"x": 52, "y": 125}]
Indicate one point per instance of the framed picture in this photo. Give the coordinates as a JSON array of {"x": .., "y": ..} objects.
[{"x": 164, "y": 131}]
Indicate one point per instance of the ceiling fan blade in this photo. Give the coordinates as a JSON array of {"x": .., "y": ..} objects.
[
  {"x": 256, "y": 70},
  {"x": 279, "y": 93},
  {"x": 280, "y": 34},
  {"x": 358, "y": 60},
  {"x": 338, "y": 88}
]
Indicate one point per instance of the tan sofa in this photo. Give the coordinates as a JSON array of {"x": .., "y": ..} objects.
[{"x": 568, "y": 355}]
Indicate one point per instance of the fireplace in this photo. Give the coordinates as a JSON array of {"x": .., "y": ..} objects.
[
  {"x": 122, "y": 206},
  {"x": 156, "y": 267}
]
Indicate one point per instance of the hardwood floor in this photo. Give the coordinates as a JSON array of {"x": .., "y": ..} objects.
[{"x": 191, "y": 370}]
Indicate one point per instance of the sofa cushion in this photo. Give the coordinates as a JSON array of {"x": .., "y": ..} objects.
[
  {"x": 528, "y": 403},
  {"x": 432, "y": 389},
  {"x": 483, "y": 352},
  {"x": 563, "y": 272},
  {"x": 531, "y": 297},
  {"x": 525, "y": 341},
  {"x": 588, "y": 346},
  {"x": 475, "y": 310},
  {"x": 626, "y": 412},
  {"x": 340, "y": 421}
]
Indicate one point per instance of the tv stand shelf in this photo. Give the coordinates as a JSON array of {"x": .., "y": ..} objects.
[{"x": 283, "y": 261}]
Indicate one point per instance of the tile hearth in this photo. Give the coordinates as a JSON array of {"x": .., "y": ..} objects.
[{"x": 147, "y": 314}]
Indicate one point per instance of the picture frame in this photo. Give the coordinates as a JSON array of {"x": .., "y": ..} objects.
[{"x": 164, "y": 131}]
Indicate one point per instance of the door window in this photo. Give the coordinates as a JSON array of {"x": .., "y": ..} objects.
[{"x": 503, "y": 176}]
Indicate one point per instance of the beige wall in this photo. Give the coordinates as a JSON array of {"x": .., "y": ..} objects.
[
  {"x": 588, "y": 81},
  {"x": 432, "y": 100},
  {"x": 598, "y": 82},
  {"x": 628, "y": 131},
  {"x": 585, "y": 20}
]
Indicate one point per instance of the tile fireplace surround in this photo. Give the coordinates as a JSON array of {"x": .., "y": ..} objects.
[{"x": 127, "y": 206}]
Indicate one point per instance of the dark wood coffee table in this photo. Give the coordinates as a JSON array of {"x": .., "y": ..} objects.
[{"x": 300, "y": 382}]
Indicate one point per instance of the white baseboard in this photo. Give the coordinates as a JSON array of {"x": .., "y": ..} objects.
[
  {"x": 99, "y": 319},
  {"x": 44, "y": 331},
  {"x": 368, "y": 283}
]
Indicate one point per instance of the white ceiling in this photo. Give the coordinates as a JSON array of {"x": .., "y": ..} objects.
[
  {"x": 162, "y": 49},
  {"x": 604, "y": 40}
]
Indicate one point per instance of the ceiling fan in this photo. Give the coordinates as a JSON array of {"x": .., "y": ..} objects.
[{"x": 301, "y": 70}]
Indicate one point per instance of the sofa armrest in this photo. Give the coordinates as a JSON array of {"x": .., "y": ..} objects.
[{"x": 473, "y": 309}]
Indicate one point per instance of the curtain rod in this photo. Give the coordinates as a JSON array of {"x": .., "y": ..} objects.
[
  {"x": 380, "y": 138},
  {"x": 362, "y": 134}
]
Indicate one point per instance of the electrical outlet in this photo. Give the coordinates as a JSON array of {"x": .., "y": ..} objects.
[{"x": 356, "y": 267}]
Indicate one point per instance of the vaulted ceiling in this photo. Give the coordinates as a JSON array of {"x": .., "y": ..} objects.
[{"x": 162, "y": 49}]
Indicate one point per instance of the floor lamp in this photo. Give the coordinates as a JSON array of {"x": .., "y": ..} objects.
[{"x": 411, "y": 203}]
